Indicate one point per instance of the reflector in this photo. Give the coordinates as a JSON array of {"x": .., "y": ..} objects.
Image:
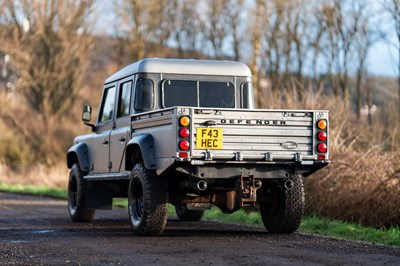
[{"x": 183, "y": 154}]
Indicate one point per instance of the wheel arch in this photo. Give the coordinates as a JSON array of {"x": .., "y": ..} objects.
[
  {"x": 79, "y": 154},
  {"x": 141, "y": 148}
]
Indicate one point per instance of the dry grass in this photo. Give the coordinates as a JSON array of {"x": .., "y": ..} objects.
[
  {"x": 362, "y": 183},
  {"x": 40, "y": 175},
  {"x": 363, "y": 187}
]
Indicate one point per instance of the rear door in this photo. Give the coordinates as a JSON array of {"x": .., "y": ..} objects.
[{"x": 121, "y": 134}]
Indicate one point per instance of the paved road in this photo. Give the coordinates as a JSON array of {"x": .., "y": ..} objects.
[{"x": 37, "y": 231}]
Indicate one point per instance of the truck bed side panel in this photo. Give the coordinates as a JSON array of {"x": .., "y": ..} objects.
[{"x": 162, "y": 127}]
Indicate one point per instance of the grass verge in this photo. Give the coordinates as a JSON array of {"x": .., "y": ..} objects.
[
  {"x": 345, "y": 230},
  {"x": 313, "y": 225},
  {"x": 58, "y": 193}
]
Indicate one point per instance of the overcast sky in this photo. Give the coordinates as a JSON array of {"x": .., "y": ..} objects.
[{"x": 383, "y": 60}]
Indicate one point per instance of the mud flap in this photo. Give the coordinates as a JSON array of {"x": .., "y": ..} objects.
[{"x": 98, "y": 196}]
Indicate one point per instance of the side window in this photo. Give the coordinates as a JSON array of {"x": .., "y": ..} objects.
[
  {"x": 247, "y": 96},
  {"x": 107, "y": 106},
  {"x": 144, "y": 95},
  {"x": 124, "y": 100}
]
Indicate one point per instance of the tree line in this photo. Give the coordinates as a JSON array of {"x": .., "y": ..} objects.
[{"x": 288, "y": 44}]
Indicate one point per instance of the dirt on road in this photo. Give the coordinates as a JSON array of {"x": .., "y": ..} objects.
[{"x": 37, "y": 231}]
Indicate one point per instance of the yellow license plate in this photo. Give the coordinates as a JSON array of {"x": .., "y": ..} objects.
[{"x": 209, "y": 138}]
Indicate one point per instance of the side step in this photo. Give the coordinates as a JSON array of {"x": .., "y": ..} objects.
[{"x": 107, "y": 176}]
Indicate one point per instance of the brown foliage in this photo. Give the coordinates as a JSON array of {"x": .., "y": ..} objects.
[
  {"x": 363, "y": 187},
  {"x": 362, "y": 183},
  {"x": 48, "y": 49}
]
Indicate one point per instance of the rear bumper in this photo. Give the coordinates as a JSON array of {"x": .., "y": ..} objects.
[{"x": 260, "y": 170}]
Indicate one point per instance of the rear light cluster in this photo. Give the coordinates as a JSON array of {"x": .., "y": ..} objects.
[
  {"x": 322, "y": 137},
  {"x": 184, "y": 134}
]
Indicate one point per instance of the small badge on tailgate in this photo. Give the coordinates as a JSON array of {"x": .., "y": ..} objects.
[
  {"x": 209, "y": 138},
  {"x": 289, "y": 145}
]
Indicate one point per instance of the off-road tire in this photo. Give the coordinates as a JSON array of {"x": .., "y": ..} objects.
[
  {"x": 147, "y": 202},
  {"x": 76, "y": 196},
  {"x": 188, "y": 215},
  {"x": 284, "y": 209}
]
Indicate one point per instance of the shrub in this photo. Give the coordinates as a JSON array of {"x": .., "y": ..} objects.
[
  {"x": 362, "y": 183},
  {"x": 14, "y": 152}
]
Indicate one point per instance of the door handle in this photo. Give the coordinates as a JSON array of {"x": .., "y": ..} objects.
[
  {"x": 105, "y": 142},
  {"x": 122, "y": 139}
]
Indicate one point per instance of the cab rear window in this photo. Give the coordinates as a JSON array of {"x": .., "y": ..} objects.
[{"x": 198, "y": 93}]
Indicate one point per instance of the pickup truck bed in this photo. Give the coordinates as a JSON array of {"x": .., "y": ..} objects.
[{"x": 248, "y": 136}]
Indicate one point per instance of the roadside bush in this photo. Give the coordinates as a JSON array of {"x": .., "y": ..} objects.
[
  {"x": 13, "y": 150},
  {"x": 362, "y": 187},
  {"x": 362, "y": 183}
]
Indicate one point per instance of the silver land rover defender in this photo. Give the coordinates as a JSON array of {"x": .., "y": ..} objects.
[{"x": 185, "y": 132}]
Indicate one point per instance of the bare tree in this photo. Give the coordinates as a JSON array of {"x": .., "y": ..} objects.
[
  {"x": 276, "y": 48},
  {"x": 392, "y": 7},
  {"x": 367, "y": 35},
  {"x": 237, "y": 26},
  {"x": 147, "y": 25},
  {"x": 329, "y": 44},
  {"x": 186, "y": 23},
  {"x": 314, "y": 34},
  {"x": 214, "y": 26},
  {"x": 47, "y": 43},
  {"x": 341, "y": 19},
  {"x": 294, "y": 40},
  {"x": 298, "y": 38},
  {"x": 257, "y": 28}
]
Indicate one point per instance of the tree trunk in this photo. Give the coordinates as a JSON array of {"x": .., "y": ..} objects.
[
  {"x": 358, "y": 92},
  {"x": 398, "y": 79}
]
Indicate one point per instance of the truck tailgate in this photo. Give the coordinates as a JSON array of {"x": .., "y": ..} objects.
[{"x": 268, "y": 135}]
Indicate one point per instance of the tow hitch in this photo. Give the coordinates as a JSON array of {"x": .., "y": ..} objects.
[{"x": 249, "y": 187}]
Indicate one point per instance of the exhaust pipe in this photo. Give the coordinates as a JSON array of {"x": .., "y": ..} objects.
[
  {"x": 289, "y": 184},
  {"x": 201, "y": 185}
]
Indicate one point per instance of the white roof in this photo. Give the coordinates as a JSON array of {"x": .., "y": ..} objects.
[{"x": 183, "y": 66}]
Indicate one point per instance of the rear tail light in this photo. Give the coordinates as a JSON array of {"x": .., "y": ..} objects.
[
  {"x": 322, "y": 124},
  {"x": 322, "y": 139},
  {"x": 184, "y": 145},
  {"x": 322, "y": 148},
  {"x": 184, "y": 133},
  {"x": 183, "y": 154},
  {"x": 184, "y": 121},
  {"x": 322, "y": 136},
  {"x": 183, "y": 137}
]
